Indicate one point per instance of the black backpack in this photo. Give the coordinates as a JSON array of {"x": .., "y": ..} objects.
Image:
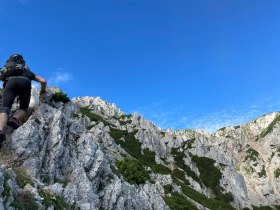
[{"x": 13, "y": 67}]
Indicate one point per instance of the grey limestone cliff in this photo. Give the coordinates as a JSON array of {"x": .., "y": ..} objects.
[{"x": 88, "y": 154}]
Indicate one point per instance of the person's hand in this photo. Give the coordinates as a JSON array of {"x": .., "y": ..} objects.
[
  {"x": 42, "y": 92},
  {"x": 42, "y": 95}
]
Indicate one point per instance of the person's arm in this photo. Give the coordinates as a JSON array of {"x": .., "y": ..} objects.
[{"x": 43, "y": 83}]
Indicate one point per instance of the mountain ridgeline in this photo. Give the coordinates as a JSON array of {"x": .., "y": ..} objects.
[{"x": 87, "y": 154}]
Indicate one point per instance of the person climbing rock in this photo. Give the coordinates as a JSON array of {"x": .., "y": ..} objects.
[{"x": 17, "y": 79}]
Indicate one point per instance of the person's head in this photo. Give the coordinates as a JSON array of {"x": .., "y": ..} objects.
[{"x": 17, "y": 58}]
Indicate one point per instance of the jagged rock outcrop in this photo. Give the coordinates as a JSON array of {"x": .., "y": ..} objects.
[{"x": 88, "y": 154}]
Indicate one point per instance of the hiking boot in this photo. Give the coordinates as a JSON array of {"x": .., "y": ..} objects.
[{"x": 12, "y": 122}]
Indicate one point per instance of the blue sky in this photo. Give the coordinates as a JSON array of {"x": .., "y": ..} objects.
[{"x": 179, "y": 63}]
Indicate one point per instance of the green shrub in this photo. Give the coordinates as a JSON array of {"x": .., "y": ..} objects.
[
  {"x": 60, "y": 96},
  {"x": 116, "y": 134},
  {"x": 47, "y": 197},
  {"x": 179, "y": 161},
  {"x": 56, "y": 200},
  {"x": 75, "y": 115},
  {"x": 126, "y": 116},
  {"x": 22, "y": 177},
  {"x": 59, "y": 203},
  {"x": 277, "y": 173},
  {"x": 262, "y": 208},
  {"x": 7, "y": 190},
  {"x": 277, "y": 207},
  {"x": 24, "y": 201},
  {"x": 251, "y": 154},
  {"x": 133, "y": 171},
  {"x": 93, "y": 117},
  {"x": 148, "y": 159},
  {"x": 167, "y": 188},
  {"x": 262, "y": 173},
  {"x": 178, "y": 202},
  {"x": 178, "y": 174},
  {"x": 45, "y": 179},
  {"x": 190, "y": 142},
  {"x": 270, "y": 127},
  {"x": 209, "y": 174},
  {"x": 133, "y": 147},
  {"x": 211, "y": 203}
]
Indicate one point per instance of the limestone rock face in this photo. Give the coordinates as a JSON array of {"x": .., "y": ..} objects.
[{"x": 76, "y": 155}]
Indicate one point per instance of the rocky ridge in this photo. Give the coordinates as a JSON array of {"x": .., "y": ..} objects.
[{"x": 88, "y": 154}]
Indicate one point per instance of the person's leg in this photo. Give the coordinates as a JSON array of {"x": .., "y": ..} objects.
[
  {"x": 24, "y": 98},
  {"x": 7, "y": 102},
  {"x": 3, "y": 120},
  {"x": 8, "y": 98}
]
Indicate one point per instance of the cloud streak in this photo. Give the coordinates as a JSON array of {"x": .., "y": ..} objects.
[
  {"x": 60, "y": 77},
  {"x": 239, "y": 114}
]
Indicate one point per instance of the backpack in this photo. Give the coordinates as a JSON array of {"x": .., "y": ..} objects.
[{"x": 12, "y": 69}]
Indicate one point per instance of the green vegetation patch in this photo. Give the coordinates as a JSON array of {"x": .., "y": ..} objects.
[
  {"x": 125, "y": 116},
  {"x": 277, "y": 207},
  {"x": 54, "y": 200},
  {"x": 167, "y": 188},
  {"x": 178, "y": 202},
  {"x": 75, "y": 115},
  {"x": 236, "y": 127},
  {"x": 209, "y": 174},
  {"x": 222, "y": 129},
  {"x": 211, "y": 203},
  {"x": 93, "y": 117},
  {"x": 252, "y": 155},
  {"x": 22, "y": 177},
  {"x": 45, "y": 179},
  {"x": 133, "y": 147},
  {"x": 262, "y": 208},
  {"x": 263, "y": 172},
  {"x": 148, "y": 158},
  {"x": 59, "y": 203},
  {"x": 124, "y": 119},
  {"x": 179, "y": 161},
  {"x": 132, "y": 171},
  {"x": 24, "y": 201},
  {"x": 270, "y": 127},
  {"x": 277, "y": 173},
  {"x": 7, "y": 190},
  {"x": 190, "y": 142},
  {"x": 60, "y": 96}
]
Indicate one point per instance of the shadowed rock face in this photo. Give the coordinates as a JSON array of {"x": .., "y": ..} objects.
[{"x": 71, "y": 154}]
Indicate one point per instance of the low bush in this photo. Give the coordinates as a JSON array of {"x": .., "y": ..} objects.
[
  {"x": 277, "y": 173},
  {"x": 60, "y": 96},
  {"x": 133, "y": 171},
  {"x": 7, "y": 190},
  {"x": 54, "y": 200},
  {"x": 22, "y": 177},
  {"x": 24, "y": 201},
  {"x": 178, "y": 202},
  {"x": 209, "y": 174},
  {"x": 93, "y": 117}
]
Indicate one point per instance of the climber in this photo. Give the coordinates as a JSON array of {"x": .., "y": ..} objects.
[{"x": 17, "y": 79}]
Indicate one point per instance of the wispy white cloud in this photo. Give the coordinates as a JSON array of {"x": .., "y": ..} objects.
[
  {"x": 236, "y": 115},
  {"x": 60, "y": 77},
  {"x": 161, "y": 116},
  {"x": 216, "y": 120}
]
